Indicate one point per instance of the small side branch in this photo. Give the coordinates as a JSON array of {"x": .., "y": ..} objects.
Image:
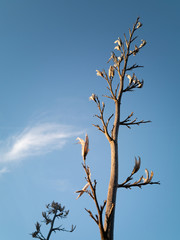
[
  {"x": 101, "y": 108},
  {"x": 92, "y": 193},
  {"x": 107, "y": 123},
  {"x": 109, "y": 77},
  {"x": 136, "y": 185},
  {"x": 92, "y": 216},
  {"x": 134, "y": 82},
  {"x": 136, "y": 48},
  {"x": 133, "y": 67},
  {"x": 98, "y": 127},
  {"x": 142, "y": 180},
  {"x": 127, "y": 122}
]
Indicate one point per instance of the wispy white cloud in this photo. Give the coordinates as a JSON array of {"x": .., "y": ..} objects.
[
  {"x": 36, "y": 140},
  {"x": 4, "y": 170}
]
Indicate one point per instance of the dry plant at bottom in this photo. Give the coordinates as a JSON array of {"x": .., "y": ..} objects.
[{"x": 54, "y": 212}]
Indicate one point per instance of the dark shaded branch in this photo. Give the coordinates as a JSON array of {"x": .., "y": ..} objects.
[
  {"x": 98, "y": 127},
  {"x": 132, "y": 40},
  {"x": 127, "y": 122},
  {"x": 101, "y": 117},
  {"x": 133, "y": 67},
  {"x": 63, "y": 229},
  {"x": 51, "y": 228},
  {"x": 56, "y": 211},
  {"x": 134, "y": 123},
  {"x": 91, "y": 215},
  {"x": 136, "y": 185}
]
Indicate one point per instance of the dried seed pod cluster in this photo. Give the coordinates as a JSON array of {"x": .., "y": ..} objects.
[
  {"x": 85, "y": 146},
  {"x": 141, "y": 181}
]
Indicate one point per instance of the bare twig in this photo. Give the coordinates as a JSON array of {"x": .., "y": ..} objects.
[
  {"x": 98, "y": 127},
  {"x": 136, "y": 185},
  {"x": 133, "y": 67},
  {"x": 101, "y": 108},
  {"x": 127, "y": 121},
  {"x": 109, "y": 120},
  {"x": 91, "y": 215}
]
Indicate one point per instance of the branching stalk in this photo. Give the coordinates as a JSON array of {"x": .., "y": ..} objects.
[{"x": 118, "y": 69}]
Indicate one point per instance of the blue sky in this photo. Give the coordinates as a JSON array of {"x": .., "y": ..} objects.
[{"x": 49, "y": 51}]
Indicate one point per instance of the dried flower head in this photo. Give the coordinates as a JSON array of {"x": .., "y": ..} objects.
[
  {"x": 119, "y": 42},
  {"x": 93, "y": 97},
  {"x": 111, "y": 72},
  {"x": 117, "y": 47},
  {"x": 99, "y": 73},
  {"x": 140, "y": 84},
  {"x": 82, "y": 191},
  {"x": 130, "y": 78},
  {"x": 85, "y": 146},
  {"x": 137, "y": 165},
  {"x": 139, "y": 24},
  {"x": 143, "y": 43}
]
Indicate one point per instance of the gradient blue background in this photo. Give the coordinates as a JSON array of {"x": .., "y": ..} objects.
[{"x": 49, "y": 51}]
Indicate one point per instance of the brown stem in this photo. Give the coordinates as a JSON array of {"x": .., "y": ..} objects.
[{"x": 112, "y": 190}]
